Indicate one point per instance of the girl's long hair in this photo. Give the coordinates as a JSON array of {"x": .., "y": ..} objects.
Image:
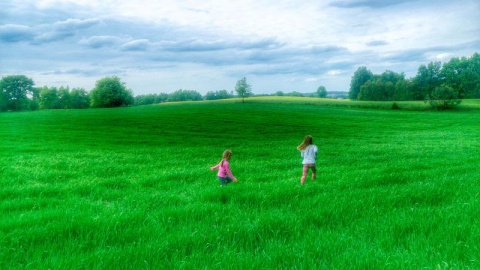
[
  {"x": 306, "y": 142},
  {"x": 227, "y": 154}
]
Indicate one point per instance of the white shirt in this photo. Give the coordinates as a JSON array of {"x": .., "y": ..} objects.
[{"x": 309, "y": 154}]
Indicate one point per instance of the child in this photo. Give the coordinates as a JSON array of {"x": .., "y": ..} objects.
[
  {"x": 309, "y": 155},
  {"x": 224, "y": 174}
]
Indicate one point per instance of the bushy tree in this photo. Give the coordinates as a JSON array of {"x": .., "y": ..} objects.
[
  {"x": 294, "y": 94},
  {"x": 79, "y": 98},
  {"x": 220, "y": 94},
  {"x": 376, "y": 91},
  {"x": 48, "y": 98},
  {"x": 3, "y": 99},
  {"x": 443, "y": 97},
  {"x": 185, "y": 95},
  {"x": 149, "y": 99},
  {"x": 403, "y": 90},
  {"x": 64, "y": 97},
  {"x": 322, "y": 92},
  {"x": 391, "y": 76},
  {"x": 360, "y": 77},
  {"x": 427, "y": 79},
  {"x": 145, "y": 99},
  {"x": 243, "y": 89},
  {"x": 463, "y": 74},
  {"x": 381, "y": 87},
  {"x": 162, "y": 97},
  {"x": 475, "y": 69},
  {"x": 16, "y": 92},
  {"x": 110, "y": 92}
]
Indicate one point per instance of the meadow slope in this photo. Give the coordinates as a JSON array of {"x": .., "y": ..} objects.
[{"x": 130, "y": 188}]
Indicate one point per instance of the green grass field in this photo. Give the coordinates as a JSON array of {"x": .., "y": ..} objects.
[{"x": 130, "y": 188}]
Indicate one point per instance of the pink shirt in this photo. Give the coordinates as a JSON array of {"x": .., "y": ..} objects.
[{"x": 224, "y": 170}]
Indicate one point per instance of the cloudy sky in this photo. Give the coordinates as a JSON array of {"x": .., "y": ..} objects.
[{"x": 207, "y": 45}]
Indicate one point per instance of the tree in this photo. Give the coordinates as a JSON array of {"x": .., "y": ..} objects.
[
  {"x": 149, "y": 99},
  {"x": 391, "y": 76},
  {"x": 403, "y": 90},
  {"x": 243, "y": 89},
  {"x": 145, "y": 99},
  {"x": 79, "y": 99},
  {"x": 444, "y": 97},
  {"x": 294, "y": 94},
  {"x": 211, "y": 95},
  {"x": 322, "y": 92},
  {"x": 16, "y": 92},
  {"x": 371, "y": 90},
  {"x": 460, "y": 74},
  {"x": 360, "y": 77},
  {"x": 64, "y": 97},
  {"x": 185, "y": 95},
  {"x": 110, "y": 92},
  {"x": 426, "y": 80},
  {"x": 475, "y": 68},
  {"x": 463, "y": 74},
  {"x": 49, "y": 98},
  {"x": 34, "y": 100},
  {"x": 162, "y": 97},
  {"x": 221, "y": 94}
]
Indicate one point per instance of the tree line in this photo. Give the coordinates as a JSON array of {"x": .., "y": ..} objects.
[
  {"x": 442, "y": 86},
  {"x": 17, "y": 93}
]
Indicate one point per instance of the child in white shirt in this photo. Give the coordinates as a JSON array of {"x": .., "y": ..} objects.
[{"x": 309, "y": 154}]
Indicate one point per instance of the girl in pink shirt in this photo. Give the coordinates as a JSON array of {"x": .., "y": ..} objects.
[{"x": 224, "y": 173}]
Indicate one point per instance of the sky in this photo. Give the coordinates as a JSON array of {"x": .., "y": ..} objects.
[{"x": 157, "y": 46}]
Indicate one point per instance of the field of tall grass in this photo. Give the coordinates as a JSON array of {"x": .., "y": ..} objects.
[{"x": 130, "y": 188}]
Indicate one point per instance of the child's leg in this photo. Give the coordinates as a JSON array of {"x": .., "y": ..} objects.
[
  {"x": 304, "y": 174},
  {"x": 223, "y": 181},
  {"x": 228, "y": 180},
  {"x": 314, "y": 172}
]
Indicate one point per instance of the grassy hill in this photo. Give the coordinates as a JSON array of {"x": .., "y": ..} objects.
[{"x": 130, "y": 188}]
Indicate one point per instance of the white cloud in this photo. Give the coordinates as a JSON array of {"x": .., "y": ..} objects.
[
  {"x": 443, "y": 56},
  {"x": 334, "y": 72}
]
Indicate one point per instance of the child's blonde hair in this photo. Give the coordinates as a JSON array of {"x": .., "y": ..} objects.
[
  {"x": 227, "y": 154},
  {"x": 306, "y": 142}
]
